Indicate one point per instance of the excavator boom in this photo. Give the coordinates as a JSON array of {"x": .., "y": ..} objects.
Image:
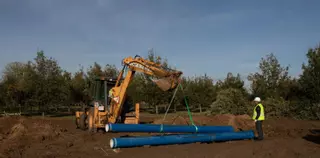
[{"x": 168, "y": 80}]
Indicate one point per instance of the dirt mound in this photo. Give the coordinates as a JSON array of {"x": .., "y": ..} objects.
[
  {"x": 240, "y": 122},
  {"x": 224, "y": 119},
  {"x": 13, "y": 138},
  {"x": 19, "y": 133},
  {"x": 283, "y": 127},
  {"x": 6, "y": 123},
  {"x": 178, "y": 120},
  {"x": 11, "y": 129},
  {"x": 45, "y": 130}
]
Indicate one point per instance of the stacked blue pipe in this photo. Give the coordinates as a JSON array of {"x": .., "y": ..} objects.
[
  {"x": 179, "y": 139},
  {"x": 154, "y": 128}
]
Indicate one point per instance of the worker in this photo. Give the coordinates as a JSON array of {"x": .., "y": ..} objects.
[
  {"x": 110, "y": 93},
  {"x": 258, "y": 117},
  {"x": 110, "y": 96}
]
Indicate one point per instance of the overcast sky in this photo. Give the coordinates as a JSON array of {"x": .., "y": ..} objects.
[{"x": 197, "y": 37}]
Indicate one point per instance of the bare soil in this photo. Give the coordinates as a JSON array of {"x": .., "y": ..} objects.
[{"x": 58, "y": 137}]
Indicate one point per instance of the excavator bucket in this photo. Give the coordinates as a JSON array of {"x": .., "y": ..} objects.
[{"x": 163, "y": 83}]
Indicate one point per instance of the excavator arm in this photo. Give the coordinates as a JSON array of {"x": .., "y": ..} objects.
[{"x": 168, "y": 80}]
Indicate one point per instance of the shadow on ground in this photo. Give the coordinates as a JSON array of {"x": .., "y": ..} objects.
[{"x": 314, "y": 136}]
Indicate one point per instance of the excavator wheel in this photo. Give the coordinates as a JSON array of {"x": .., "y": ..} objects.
[
  {"x": 89, "y": 120},
  {"x": 77, "y": 121},
  {"x": 83, "y": 122}
]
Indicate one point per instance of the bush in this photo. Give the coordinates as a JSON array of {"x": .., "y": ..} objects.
[
  {"x": 232, "y": 101},
  {"x": 275, "y": 107}
]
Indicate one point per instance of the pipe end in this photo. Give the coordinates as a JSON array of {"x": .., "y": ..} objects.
[
  {"x": 112, "y": 143},
  {"x": 107, "y": 128}
]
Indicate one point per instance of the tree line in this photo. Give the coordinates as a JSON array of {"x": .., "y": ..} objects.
[{"x": 41, "y": 85}]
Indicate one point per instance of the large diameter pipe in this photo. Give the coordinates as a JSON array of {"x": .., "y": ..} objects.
[
  {"x": 126, "y": 142},
  {"x": 153, "y": 128}
]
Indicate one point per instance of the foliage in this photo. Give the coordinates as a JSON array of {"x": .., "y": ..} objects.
[
  {"x": 311, "y": 75},
  {"x": 310, "y": 85},
  {"x": 41, "y": 85},
  {"x": 230, "y": 100},
  {"x": 276, "y": 107},
  {"x": 201, "y": 91},
  {"x": 231, "y": 82},
  {"x": 271, "y": 80}
]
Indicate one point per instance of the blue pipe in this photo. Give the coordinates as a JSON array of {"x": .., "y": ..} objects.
[
  {"x": 126, "y": 142},
  {"x": 166, "y": 128}
]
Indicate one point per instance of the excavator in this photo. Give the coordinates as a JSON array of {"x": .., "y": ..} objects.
[{"x": 112, "y": 106}]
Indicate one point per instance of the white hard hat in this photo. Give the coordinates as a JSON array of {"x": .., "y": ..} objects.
[{"x": 257, "y": 99}]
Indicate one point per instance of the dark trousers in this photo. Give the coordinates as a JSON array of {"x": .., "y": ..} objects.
[{"x": 259, "y": 130}]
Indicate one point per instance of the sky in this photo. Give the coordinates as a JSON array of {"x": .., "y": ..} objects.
[{"x": 197, "y": 37}]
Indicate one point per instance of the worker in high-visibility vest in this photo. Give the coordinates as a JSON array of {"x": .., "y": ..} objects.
[
  {"x": 110, "y": 97},
  {"x": 110, "y": 93},
  {"x": 258, "y": 117}
]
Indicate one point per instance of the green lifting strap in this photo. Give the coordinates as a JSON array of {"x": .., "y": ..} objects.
[
  {"x": 187, "y": 105},
  {"x": 165, "y": 115}
]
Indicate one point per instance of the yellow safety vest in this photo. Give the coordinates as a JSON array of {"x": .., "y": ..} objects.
[
  {"x": 261, "y": 117},
  {"x": 110, "y": 93}
]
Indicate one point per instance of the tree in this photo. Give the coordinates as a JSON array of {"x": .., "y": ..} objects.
[
  {"x": 231, "y": 96},
  {"x": 51, "y": 86},
  {"x": 230, "y": 100},
  {"x": 110, "y": 71},
  {"x": 2, "y": 94},
  {"x": 136, "y": 89},
  {"x": 231, "y": 82},
  {"x": 201, "y": 92},
  {"x": 310, "y": 85},
  {"x": 154, "y": 95},
  {"x": 94, "y": 71},
  {"x": 269, "y": 82},
  {"x": 310, "y": 78},
  {"x": 79, "y": 87},
  {"x": 17, "y": 77}
]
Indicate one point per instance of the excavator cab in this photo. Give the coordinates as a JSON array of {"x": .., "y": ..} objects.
[{"x": 100, "y": 92}]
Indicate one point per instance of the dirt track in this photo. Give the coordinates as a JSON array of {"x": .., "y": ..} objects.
[{"x": 57, "y": 137}]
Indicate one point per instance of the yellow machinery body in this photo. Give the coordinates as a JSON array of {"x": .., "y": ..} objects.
[
  {"x": 95, "y": 116},
  {"x": 93, "y": 119},
  {"x": 114, "y": 107}
]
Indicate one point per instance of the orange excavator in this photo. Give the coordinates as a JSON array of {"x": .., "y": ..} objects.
[{"x": 113, "y": 108}]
